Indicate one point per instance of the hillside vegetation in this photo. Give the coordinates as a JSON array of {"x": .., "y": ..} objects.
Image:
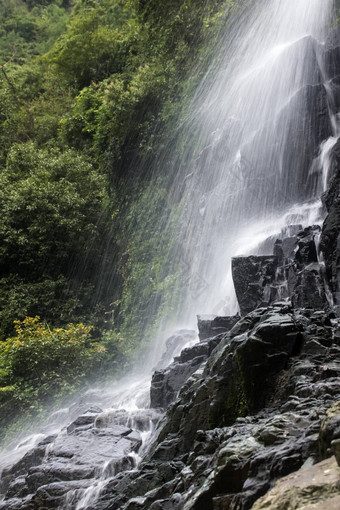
[{"x": 89, "y": 92}]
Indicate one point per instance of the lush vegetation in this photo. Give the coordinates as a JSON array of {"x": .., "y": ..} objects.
[
  {"x": 38, "y": 362},
  {"x": 89, "y": 92}
]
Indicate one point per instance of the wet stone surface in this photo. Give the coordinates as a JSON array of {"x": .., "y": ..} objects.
[
  {"x": 93, "y": 444},
  {"x": 193, "y": 465}
]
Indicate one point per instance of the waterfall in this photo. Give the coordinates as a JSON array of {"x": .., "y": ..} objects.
[
  {"x": 257, "y": 139},
  {"x": 259, "y": 117}
]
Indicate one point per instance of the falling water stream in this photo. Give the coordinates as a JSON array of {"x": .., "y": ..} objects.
[
  {"x": 256, "y": 153},
  {"x": 256, "y": 160}
]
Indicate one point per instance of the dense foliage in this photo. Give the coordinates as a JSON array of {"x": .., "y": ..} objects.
[
  {"x": 38, "y": 362},
  {"x": 89, "y": 93}
]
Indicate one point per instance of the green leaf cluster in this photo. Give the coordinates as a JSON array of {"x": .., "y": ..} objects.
[
  {"x": 29, "y": 28},
  {"x": 51, "y": 208},
  {"x": 39, "y": 362}
]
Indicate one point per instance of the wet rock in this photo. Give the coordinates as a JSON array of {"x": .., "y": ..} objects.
[
  {"x": 201, "y": 350},
  {"x": 44, "y": 475},
  {"x": 165, "y": 384},
  {"x": 32, "y": 458},
  {"x": 307, "y": 114},
  {"x": 333, "y": 38},
  {"x": 139, "y": 419},
  {"x": 15, "y": 504},
  {"x": 253, "y": 277},
  {"x": 265, "y": 360},
  {"x": 309, "y": 126},
  {"x": 332, "y": 58},
  {"x": 315, "y": 488},
  {"x": 330, "y": 239},
  {"x": 289, "y": 247},
  {"x": 210, "y": 326},
  {"x": 278, "y": 251},
  {"x": 249, "y": 415},
  {"x": 71, "y": 462},
  {"x": 81, "y": 421},
  {"x": 307, "y": 252},
  {"x": 330, "y": 429},
  {"x": 18, "y": 487},
  {"x": 52, "y": 495},
  {"x": 309, "y": 291}
]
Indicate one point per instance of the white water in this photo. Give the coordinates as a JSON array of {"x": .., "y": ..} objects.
[
  {"x": 250, "y": 158},
  {"x": 242, "y": 178}
]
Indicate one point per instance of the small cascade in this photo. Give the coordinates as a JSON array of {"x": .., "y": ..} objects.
[
  {"x": 141, "y": 422},
  {"x": 105, "y": 431}
]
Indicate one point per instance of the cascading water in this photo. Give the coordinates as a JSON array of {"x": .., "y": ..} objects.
[
  {"x": 257, "y": 140},
  {"x": 259, "y": 162}
]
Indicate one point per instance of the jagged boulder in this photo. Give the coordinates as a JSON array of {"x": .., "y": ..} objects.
[
  {"x": 240, "y": 373},
  {"x": 210, "y": 326},
  {"x": 253, "y": 277},
  {"x": 309, "y": 291},
  {"x": 292, "y": 272},
  {"x": 167, "y": 382}
]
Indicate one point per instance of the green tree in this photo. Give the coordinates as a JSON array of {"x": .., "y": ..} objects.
[
  {"x": 52, "y": 228},
  {"x": 97, "y": 43}
]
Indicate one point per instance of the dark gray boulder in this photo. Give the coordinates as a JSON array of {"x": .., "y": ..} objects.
[
  {"x": 253, "y": 278},
  {"x": 307, "y": 251},
  {"x": 166, "y": 383},
  {"x": 309, "y": 291},
  {"x": 210, "y": 326}
]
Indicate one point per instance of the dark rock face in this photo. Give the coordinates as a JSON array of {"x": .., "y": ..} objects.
[
  {"x": 68, "y": 463},
  {"x": 279, "y": 365},
  {"x": 210, "y": 326},
  {"x": 330, "y": 240},
  {"x": 309, "y": 290},
  {"x": 253, "y": 278},
  {"x": 166, "y": 383},
  {"x": 293, "y": 272}
]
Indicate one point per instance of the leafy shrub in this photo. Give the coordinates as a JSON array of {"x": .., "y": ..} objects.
[
  {"x": 52, "y": 228},
  {"x": 29, "y": 30},
  {"x": 96, "y": 44},
  {"x": 40, "y": 363}
]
